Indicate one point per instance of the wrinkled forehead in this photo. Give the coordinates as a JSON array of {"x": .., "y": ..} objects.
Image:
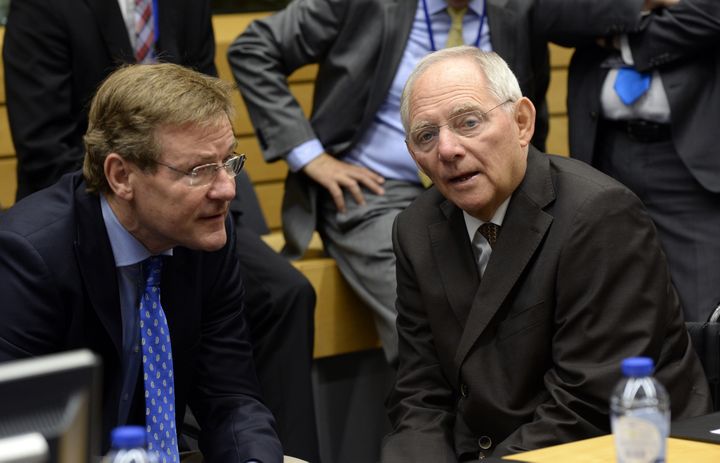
[{"x": 449, "y": 85}]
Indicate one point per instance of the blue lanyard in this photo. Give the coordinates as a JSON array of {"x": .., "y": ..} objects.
[{"x": 429, "y": 25}]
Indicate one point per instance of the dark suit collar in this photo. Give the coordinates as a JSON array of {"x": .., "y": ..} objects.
[
  {"x": 96, "y": 262},
  {"x": 112, "y": 27},
  {"x": 525, "y": 225},
  {"x": 171, "y": 22}
]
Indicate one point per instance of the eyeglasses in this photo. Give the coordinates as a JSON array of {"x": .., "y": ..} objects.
[
  {"x": 206, "y": 173},
  {"x": 468, "y": 124}
]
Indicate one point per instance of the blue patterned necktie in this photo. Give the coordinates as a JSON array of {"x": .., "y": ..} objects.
[
  {"x": 157, "y": 368},
  {"x": 631, "y": 84}
]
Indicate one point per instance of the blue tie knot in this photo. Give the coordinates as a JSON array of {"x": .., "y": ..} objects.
[{"x": 153, "y": 269}]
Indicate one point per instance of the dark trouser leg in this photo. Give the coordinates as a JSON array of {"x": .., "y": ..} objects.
[
  {"x": 280, "y": 307},
  {"x": 686, "y": 215}
]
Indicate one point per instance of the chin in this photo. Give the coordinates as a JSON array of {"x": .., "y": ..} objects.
[{"x": 210, "y": 242}]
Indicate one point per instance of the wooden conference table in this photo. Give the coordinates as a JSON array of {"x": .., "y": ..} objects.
[{"x": 602, "y": 450}]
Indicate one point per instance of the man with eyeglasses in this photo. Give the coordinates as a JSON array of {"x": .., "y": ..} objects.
[
  {"x": 350, "y": 174},
  {"x": 56, "y": 53},
  {"x": 134, "y": 258},
  {"x": 523, "y": 280}
]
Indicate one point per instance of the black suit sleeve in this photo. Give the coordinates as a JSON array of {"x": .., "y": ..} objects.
[
  {"x": 33, "y": 322},
  {"x": 43, "y": 112},
  {"x": 236, "y": 426},
  {"x": 689, "y": 29}
]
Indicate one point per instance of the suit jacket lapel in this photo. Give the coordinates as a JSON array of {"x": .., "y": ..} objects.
[
  {"x": 170, "y": 21},
  {"x": 453, "y": 253},
  {"x": 97, "y": 264},
  {"x": 502, "y": 37},
  {"x": 524, "y": 227},
  {"x": 112, "y": 28}
]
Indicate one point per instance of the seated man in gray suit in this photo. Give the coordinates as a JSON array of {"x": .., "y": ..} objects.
[
  {"x": 523, "y": 280},
  {"x": 350, "y": 173}
]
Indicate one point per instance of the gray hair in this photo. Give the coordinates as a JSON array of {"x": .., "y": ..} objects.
[{"x": 501, "y": 81}]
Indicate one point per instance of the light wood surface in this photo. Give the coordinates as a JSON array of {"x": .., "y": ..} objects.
[
  {"x": 602, "y": 450},
  {"x": 343, "y": 323}
]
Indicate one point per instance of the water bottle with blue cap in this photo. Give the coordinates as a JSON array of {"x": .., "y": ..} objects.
[
  {"x": 640, "y": 414},
  {"x": 129, "y": 446}
]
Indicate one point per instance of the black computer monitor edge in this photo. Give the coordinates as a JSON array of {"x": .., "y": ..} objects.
[{"x": 58, "y": 396}]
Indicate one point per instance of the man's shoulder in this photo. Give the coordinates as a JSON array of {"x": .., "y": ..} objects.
[
  {"x": 45, "y": 212},
  {"x": 425, "y": 209},
  {"x": 576, "y": 174},
  {"x": 578, "y": 185}
]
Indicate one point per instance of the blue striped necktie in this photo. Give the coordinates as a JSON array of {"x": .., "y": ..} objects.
[{"x": 157, "y": 368}]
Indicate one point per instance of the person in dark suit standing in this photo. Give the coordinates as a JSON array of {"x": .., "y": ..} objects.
[
  {"x": 350, "y": 173},
  {"x": 658, "y": 140},
  {"x": 523, "y": 280},
  {"x": 137, "y": 253},
  {"x": 56, "y": 53}
]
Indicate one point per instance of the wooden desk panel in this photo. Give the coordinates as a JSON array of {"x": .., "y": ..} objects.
[{"x": 602, "y": 450}]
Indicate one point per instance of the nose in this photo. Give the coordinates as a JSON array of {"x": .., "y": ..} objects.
[
  {"x": 222, "y": 187},
  {"x": 449, "y": 146}
]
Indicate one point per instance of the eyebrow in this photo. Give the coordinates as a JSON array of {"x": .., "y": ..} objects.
[
  {"x": 465, "y": 108},
  {"x": 458, "y": 110},
  {"x": 202, "y": 159}
]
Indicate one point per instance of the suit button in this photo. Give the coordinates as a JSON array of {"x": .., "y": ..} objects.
[
  {"x": 485, "y": 442},
  {"x": 464, "y": 390}
]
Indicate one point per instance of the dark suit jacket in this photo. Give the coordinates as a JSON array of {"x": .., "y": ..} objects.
[
  {"x": 528, "y": 356},
  {"x": 59, "y": 291},
  {"x": 682, "y": 43},
  {"x": 358, "y": 45},
  {"x": 56, "y": 53}
]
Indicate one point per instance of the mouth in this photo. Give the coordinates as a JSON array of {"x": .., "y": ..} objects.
[
  {"x": 463, "y": 178},
  {"x": 211, "y": 217}
]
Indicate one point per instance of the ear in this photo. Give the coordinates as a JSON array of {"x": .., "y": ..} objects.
[
  {"x": 117, "y": 172},
  {"x": 525, "y": 120}
]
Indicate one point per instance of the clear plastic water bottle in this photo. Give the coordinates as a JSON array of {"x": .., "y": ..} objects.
[
  {"x": 128, "y": 446},
  {"x": 639, "y": 414}
]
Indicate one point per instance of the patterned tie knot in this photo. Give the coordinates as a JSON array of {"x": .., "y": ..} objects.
[
  {"x": 490, "y": 232},
  {"x": 153, "y": 269}
]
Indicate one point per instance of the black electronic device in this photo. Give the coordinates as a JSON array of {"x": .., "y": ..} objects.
[{"x": 56, "y": 396}]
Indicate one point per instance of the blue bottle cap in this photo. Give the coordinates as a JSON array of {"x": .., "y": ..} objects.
[
  {"x": 128, "y": 437},
  {"x": 637, "y": 366}
]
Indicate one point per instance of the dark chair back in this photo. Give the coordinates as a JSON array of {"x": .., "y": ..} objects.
[{"x": 705, "y": 338}]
